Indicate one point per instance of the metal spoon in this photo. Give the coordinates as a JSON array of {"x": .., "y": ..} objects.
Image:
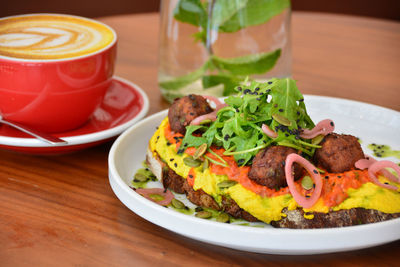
[{"x": 39, "y": 135}]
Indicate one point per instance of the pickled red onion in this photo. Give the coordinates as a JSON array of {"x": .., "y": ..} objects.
[
  {"x": 214, "y": 99},
  {"x": 368, "y": 161},
  {"x": 323, "y": 127},
  {"x": 301, "y": 200},
  {"x": 378, "y": 166},
  {"x": 146, "y": 192},
  {"x": 268, "y": 131},
  {"x": 209, "y": 116}
]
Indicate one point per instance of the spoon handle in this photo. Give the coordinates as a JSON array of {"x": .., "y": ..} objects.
[{"x": 39, "y": 135}]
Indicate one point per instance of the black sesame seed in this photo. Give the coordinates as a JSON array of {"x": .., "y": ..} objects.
[
  {"x": 332, "y": 124},
  {"x": 307, "y": 196},
  {"x": 280, "y": 110},
  {"x": 301, "y": 100},
  {"x": 315, "y": 171},
  {"x": 269, "y": 82},
  {"x": 339, "y": 176},
  {"x": 286, "y": 134},
  {"x": 237, "y": 110},
  {"x": 258, "y": 99},
  {"x": 246, "y": 91},
  {"x": 226, "y": 137},
  {"x": 165, "y": 190},
  {"x": 168, "y": 143},
  {"x": 172, "y": 159},
  {"x": 176, "y": 165},
  {"x": 191, "y": 113},
  {"x": 298, "y": 112},
  {"x": 190, "y": 176},
  {"x": 326, "y": 177},
  {"x": 158, "y": 136},
  {"x": 379, "y": 155},
  {"x": 191, "y": 97}
]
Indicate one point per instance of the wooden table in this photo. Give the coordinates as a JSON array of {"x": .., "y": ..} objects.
[{"x": 61, "y": 211}]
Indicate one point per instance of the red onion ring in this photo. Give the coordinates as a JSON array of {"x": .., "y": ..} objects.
[
  {"x": 378, "y": 166},
  {"x": 368, "y": 161},
  {"x": 323, "y": 127},
  {"x": 268, "y": 131},
  {"x": 146, "y": 192},
  {"x": 301, "y": 200}
]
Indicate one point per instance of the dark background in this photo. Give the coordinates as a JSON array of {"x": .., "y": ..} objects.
[{"x": 386, "y": 9}]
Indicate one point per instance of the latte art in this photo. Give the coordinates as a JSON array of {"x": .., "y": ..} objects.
[{"x": 52, "y": 37}]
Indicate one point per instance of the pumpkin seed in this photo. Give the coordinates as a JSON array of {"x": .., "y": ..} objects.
[
  {"x": 191, "y": 162},
  {"x": 223, "y": 218},
  {"x": 177, "y": 204},
  {"x": 226, "y": 184},
  {"x": 316, "y": 140},
  {"x": 205, "y": 121},
  {"x": 282, "y": 119},
  {"x": 205, "y": 164},
  {"x": 307, "y": 183},
  {"x": 200, "y": 151},
  {"x": 139, "y": 177},
  {"x": 203, "y": 214}
]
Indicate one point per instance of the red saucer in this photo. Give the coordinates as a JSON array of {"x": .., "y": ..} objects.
[{"x": 124, "y": 104}]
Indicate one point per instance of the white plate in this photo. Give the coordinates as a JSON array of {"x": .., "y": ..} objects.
[{"x": 370, "y": 123}]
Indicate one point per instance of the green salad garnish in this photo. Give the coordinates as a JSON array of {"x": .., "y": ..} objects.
[{"x": 238, "y": 127}]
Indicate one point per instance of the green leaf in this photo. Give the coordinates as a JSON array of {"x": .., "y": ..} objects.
[
  {"x": 284, "y": 99},
  {"x": 254, "y": 13},
  {"x": 192, "y": 12},
  {"x": 247, "y": 65},
  {"x": 223, "y": 10},
  {"x": 184, "y": 80},
  {"x": 192, "y": 140},
  {"x": 229, "y": 82}
]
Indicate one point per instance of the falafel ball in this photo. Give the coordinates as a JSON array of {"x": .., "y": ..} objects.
[
  {"x": 183, "y": 110},
  {"x": 268, "y": 167},
  {"x": 339, "y": 152}
]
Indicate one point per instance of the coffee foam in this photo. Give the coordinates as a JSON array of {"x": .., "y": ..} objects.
[{"x": 52, "y": 37}]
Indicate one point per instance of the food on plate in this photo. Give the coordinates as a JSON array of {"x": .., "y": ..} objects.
[{"x": 260, "y": 157}]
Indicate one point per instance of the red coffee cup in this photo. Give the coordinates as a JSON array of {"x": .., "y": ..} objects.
[{"x": 53, "y": 83}]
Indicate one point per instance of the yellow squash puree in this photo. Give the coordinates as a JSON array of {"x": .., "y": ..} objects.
[{"x": 355, "y": 190}]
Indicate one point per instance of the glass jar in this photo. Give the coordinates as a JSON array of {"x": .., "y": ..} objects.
[{"x": 207, "y": 47}]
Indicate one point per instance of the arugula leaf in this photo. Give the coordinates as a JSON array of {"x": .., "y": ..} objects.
[
  {"x": 192, "y": 12},
  {"x": 254, "y": 13},
  {"x": 238, "y": 127},
  {"x": 192, "y": 140},
  {"x": 184, "y": 80},
  {"x": 247, "y": 65}
]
